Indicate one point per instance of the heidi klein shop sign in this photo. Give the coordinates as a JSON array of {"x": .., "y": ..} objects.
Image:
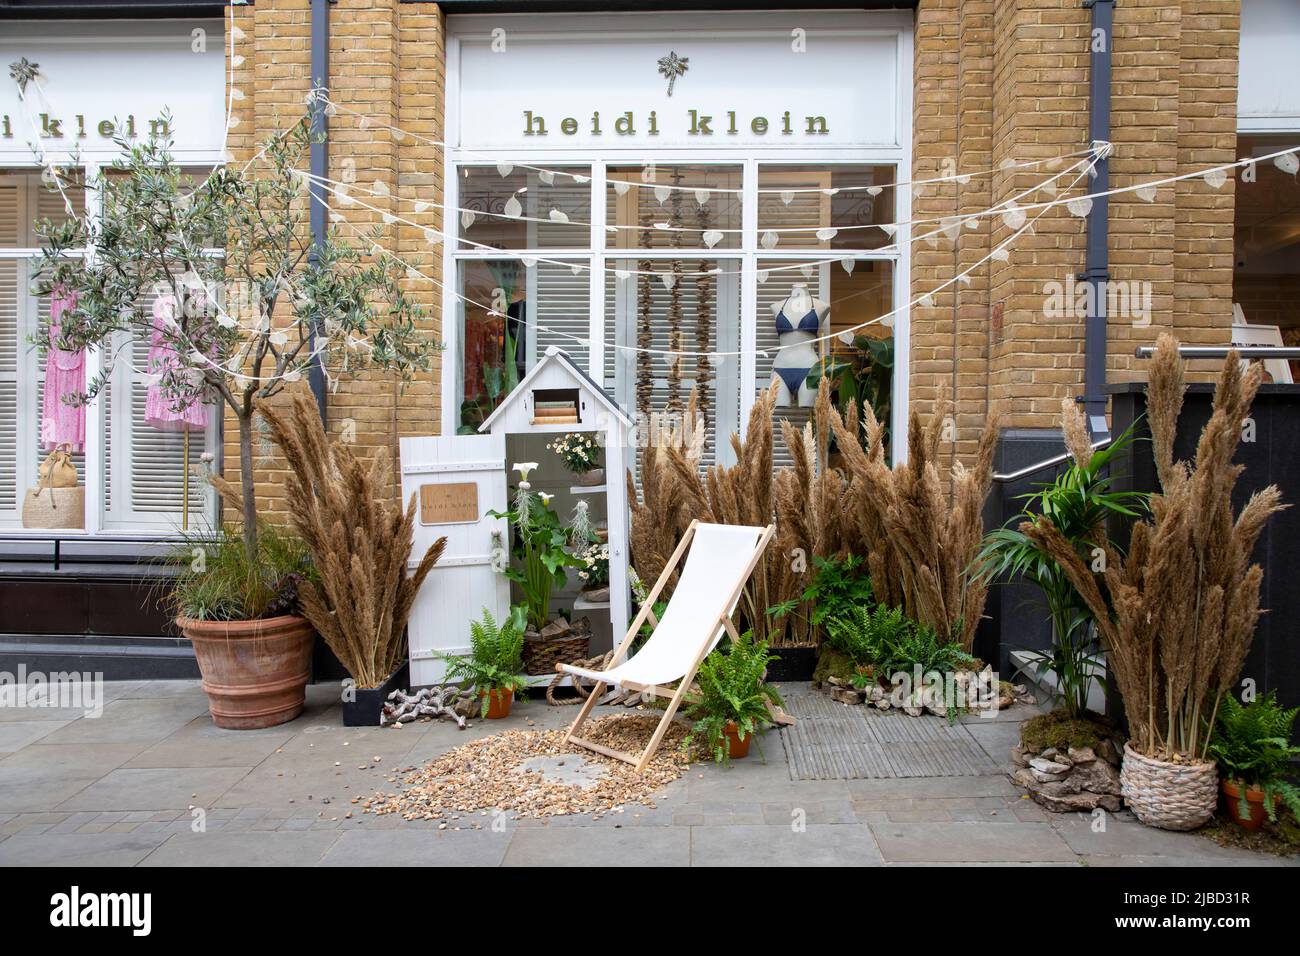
[
  {"x": 96, "y": 81},
  {"x": 685, "y": 88}
]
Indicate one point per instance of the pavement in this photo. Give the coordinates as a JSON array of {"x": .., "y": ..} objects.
[{"x": 152, "y": 782}]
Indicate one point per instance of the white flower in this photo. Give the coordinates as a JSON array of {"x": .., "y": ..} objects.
[
  {"x": 546, "y": 498},
  {"x": 524, "y": 467}
]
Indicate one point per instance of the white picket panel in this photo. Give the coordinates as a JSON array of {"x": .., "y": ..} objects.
[{"x": 462, "y": 583}]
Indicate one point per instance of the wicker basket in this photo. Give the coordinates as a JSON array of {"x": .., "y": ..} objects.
[
  {"x": 1167, "y": 795},
  {"x": 540, "y": 657},
  {"x": 57, "y": 508}
]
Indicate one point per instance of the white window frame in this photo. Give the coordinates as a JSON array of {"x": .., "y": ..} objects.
[{"x": 897, "y": 155}]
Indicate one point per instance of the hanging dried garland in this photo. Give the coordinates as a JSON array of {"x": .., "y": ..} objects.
[
  {"x": 675, "y": 403},
  {"x": 644, "y": 372},
  {"x": 704, "y": 329}
]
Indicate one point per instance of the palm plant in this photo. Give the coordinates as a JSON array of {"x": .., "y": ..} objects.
[
  {"x": 1078, "y": 503},
  {"x": 732, "y": 691},
  {"x": 1252, "y": 744},
  {"x": 495, "y": 659}
]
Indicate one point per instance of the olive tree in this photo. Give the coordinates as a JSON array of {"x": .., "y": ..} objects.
[{"x": 250, "y": 303}]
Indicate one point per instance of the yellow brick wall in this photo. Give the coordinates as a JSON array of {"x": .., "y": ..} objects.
[
  {"x": 386, "y": 62},
  {"x": 1009, "y": 81}
]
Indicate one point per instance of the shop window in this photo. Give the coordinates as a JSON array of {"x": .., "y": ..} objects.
[
  {"x": 513, "y": 207},
  {"x": 673, "y": 207},
  {"x": 1266, "y": 249},
  {"x": 825, "y": 207}
]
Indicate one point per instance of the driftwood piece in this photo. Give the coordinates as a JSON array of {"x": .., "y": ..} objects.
[{"x": 432, "y": 702}]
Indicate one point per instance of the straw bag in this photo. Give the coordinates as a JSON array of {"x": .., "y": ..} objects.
[{"x": 57, "y": 501}]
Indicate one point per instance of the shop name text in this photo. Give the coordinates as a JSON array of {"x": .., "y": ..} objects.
[{"x": 698, "y": 124}]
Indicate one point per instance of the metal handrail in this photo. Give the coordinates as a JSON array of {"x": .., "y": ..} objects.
[
  {"x": 1046, "y": 463},
  {"x": 81, "y": 538},
  {"x": 1221, "y": 351}
]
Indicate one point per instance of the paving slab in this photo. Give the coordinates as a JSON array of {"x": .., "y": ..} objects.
[
  {"x": 272, "y": 848},
  {"x": 814, "y": 845},
  {"x": 77, "y": 849},
  {"x": 438, "y": 848},
  {"x": 17, "y": 734},
  {"x": 593, "y": 846},
  {"x": 225, "y": 748},
  {"x": 129, "y": 721},
  {"x": 164, "y": 788},
  {"x": 970, "y": 842}
]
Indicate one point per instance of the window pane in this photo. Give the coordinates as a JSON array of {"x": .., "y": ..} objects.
[
  {"x": 682, "y": 198},
  {"x": 855, "y": 297},
  {"x": 824, "y": 207},
  {"x": 525, "y": 208},
  {"x": 698, "y": 313},
  {"x": 502, "y": 336}
]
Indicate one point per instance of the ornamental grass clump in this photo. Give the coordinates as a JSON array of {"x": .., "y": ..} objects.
[
  {"x": 1177, "y": 614},
  {"x": 361, "y": 596}
]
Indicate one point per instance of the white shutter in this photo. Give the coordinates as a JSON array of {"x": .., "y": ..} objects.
[
  {"x": 9, "y": 271},
  {"x": 559, "y": 304}
]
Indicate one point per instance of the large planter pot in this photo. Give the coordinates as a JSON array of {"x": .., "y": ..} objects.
[
  {"x": 736, "y": 748},
  {"x": 498, "y": 703},
  {"x": 255, "y": 673},
  {"x": 1171, "y": 796},
  {"x": 1257, "y": 812},
  {"x": 367, "y": 705}
]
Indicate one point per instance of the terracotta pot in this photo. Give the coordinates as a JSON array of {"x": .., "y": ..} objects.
[
  {"x": 498, "y": 703},
  {"x": 255, "y": 673},
  {"x": 1254, "y": 801},
  {"x": 736, "y": 748}
]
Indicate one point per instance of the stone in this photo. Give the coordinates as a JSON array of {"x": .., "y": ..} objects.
[
  {"x": 1096, "y": 777},
  {"x": 846, "y": 695},
  {"x": 1049, "y": 754},
  {"x": 1044, "y": 765},
  {"x": 876, "y": 693},
  {"x": 882, "y": 704},
  {"x": 1058, "y": 799},
  {"x": 556, "y": 629},
  {"x": 912, "y": 710},
  {"x": 1024, "y": 777},
  {"x": 1111, "y": 753},
  {"x": 1043, "y": 777},
  {"x": 1080, "y": 755},
  {"x": 1020, "y": 757}
]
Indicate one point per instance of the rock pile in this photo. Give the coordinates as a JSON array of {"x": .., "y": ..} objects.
[
  {"x": 1074, "y": 779},
  {"x": 919, "y": 702}
]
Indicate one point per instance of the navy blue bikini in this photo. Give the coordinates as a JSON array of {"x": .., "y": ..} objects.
[{"x": 811, "y": 323}]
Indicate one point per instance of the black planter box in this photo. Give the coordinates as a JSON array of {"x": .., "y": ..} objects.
[
  {"x": 369, "y": 704},
  {"x": 792, "y": 663}
]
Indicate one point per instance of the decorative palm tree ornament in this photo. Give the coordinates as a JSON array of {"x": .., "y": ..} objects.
[{"x": 673, "y": 66}]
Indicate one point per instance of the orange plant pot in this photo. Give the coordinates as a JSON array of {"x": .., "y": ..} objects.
[
  {"x": 1254, "y": 801},
  {"x": 736, "y": 748},
  {"x": 498, "y": 703},
  {"x": 255, "y": 673}
]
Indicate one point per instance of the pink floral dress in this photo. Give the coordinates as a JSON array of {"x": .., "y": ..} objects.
[
  {"x": 172, "y": 414},
  {"x": 65, "y": 374}
]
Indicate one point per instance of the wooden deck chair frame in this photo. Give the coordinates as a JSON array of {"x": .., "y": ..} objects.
[{"x": 642, "y": 760}]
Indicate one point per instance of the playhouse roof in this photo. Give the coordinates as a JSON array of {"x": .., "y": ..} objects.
[{"x": 560, "y": 357}]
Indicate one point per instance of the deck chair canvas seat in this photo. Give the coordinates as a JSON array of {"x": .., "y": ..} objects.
[{"x": 721, "y": 559}]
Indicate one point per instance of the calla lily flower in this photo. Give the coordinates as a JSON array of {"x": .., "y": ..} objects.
[{"x": 524, "y": 467}]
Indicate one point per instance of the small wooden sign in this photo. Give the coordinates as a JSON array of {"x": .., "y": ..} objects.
[{"x": 449, "y": 504}]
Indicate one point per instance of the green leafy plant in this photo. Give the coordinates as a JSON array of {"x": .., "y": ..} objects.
[
  {"x": 579, "y": 451},
  {"x": 1078, "y": 503},
  {"x": 864, "y": 375},
  {"x": 839, "y": 586},
  {"x": 891, "y": 643},
  {"x": 1252, "y": 744},
  {"x": 216, "y": 580},
  {"x": 732, "y": 690},
  {"x": 495, "y": 658},
  {"x": 540, "y": 548}
]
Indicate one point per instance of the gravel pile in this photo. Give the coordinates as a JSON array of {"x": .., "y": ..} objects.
[{"x": 484, "y": 776}]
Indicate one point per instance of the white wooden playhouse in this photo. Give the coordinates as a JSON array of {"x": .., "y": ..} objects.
[{"x": 460, "y": 478}]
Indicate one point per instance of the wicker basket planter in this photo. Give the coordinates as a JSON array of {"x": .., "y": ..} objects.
[
  {"x": 1170, "y": 796},
  {"x": 541, "y": 656}
]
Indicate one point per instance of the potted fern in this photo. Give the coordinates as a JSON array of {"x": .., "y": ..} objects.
[
  {"x": 494, "y": 662},
  {"x": 1252, "y": 744},
  {"x": 734, "y": 700}
]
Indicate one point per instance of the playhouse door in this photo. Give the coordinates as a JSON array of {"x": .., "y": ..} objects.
[{"x": 457, "y": 480}]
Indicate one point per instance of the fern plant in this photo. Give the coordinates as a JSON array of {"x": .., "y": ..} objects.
[
  {"x": 838, "y": 586},
  {"x": 1252, "y": 744},
  {"x": 892, "y": 643},
  {"x": 732, "y": 690},
  {"x": 496, "y": 656}
]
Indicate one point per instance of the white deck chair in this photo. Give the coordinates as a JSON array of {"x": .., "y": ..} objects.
[{"x": 721, "y": 560}]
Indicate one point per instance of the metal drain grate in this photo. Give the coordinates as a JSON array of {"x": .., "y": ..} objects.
[{"x": 831, "y": 741}]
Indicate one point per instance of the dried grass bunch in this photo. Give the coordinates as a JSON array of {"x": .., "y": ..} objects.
[
  {"x": 1178, "y": 612},
  {"x": 920, "y": 538},
  {"x": 359, "y": 542}
]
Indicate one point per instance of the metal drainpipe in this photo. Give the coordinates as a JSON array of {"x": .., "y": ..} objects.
[
  {"x": 1097, "y": 259},
  {"x": 319, "y": 163}
]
